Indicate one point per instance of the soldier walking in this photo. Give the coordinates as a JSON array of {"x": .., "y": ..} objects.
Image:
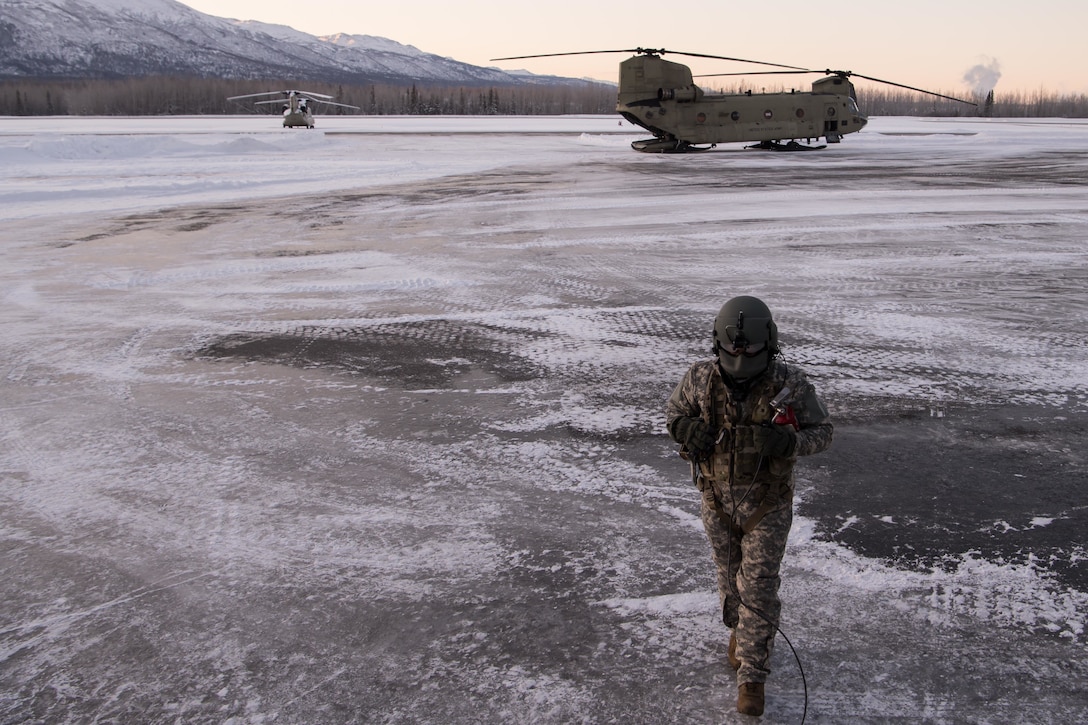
[{"x": 743, "y": 419}]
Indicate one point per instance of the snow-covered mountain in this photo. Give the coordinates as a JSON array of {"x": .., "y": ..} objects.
[{"x": 124, "y": 38}]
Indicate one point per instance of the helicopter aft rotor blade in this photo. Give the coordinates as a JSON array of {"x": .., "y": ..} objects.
[
  {"x": 577, "y": 52},
  {"x": 649, "y": 51},
  {"x": 304, "y": 98},
  {"x": 286, "y": 94},
  {"x": 332, "y": 103},
  {"x": 739, "y": 60}
]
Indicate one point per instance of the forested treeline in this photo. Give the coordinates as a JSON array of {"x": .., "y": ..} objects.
[
  {"x": 889, "y": 101},
  {"x": 1037, "y": 104},
  {"x": 197, "y": 96}
]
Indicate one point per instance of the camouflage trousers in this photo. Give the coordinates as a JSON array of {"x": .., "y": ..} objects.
[{"x": 748, "y": 571}]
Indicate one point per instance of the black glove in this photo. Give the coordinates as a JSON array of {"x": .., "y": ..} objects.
[
  {"x": 693, "y": 433},
  {"x": 775, "y": 441}
]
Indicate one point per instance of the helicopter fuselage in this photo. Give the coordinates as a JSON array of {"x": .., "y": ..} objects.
[
  {"x": 660, "y": 96},
  {"x": 297, "y": 111},
  {"x": 296, "y": 118}
]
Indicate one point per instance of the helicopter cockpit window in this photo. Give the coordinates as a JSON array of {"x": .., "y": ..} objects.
[{"x": 854, "y": 106}]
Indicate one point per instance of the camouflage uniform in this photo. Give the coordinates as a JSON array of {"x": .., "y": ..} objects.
[{"x": 742, "y": 491}]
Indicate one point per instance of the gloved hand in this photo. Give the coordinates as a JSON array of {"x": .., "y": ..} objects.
[
  {"x": 775, "y": 441},
  {"x": 693, "y": 433}
]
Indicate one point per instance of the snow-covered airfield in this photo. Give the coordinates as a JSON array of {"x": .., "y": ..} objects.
[{"x": 364, "y": 423}]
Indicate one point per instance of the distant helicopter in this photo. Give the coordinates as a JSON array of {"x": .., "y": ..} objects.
[
  {"x": 296, "y": 108},
  {"x": 661, "y": 97}
]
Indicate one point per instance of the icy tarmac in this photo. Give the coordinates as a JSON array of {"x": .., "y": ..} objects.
[{"x": 365, "y": 423}]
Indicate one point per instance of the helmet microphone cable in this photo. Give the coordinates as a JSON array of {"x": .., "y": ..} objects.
[{"x": 732, "y": 523}]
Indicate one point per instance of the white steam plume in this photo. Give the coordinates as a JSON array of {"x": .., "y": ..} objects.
[{"x": 983, "y": 77}]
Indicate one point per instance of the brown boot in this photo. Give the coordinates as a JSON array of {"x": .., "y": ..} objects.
[
  {"x": 733, "y": 661},
  {"x": 750, "y": 698}
]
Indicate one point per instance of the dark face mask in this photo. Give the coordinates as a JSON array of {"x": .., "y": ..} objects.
[{"x": 741, "y": 360}]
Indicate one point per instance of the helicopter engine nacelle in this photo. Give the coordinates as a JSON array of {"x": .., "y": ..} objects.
[{"x": 682, "y": 95}]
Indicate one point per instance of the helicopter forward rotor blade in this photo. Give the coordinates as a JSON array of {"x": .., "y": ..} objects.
[
  {"x": 841, "y": 73},
  {"x": 310, "y": 94},
  {"x": 651, "y": 51},
  {"x": 909, "y": 88},
  {"x": 255, "y": 95},
  {"x": 758, "y": 73}
]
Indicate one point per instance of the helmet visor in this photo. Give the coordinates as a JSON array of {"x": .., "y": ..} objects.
[{"x": 736, "y": 348}]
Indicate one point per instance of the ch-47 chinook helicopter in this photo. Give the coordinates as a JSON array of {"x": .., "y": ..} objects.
[
  {"x": 296, "y": 106},
  {"x": 661, "y": 97}
]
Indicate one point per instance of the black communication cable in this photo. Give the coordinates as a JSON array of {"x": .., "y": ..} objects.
[{"x": 733, "y": 583}]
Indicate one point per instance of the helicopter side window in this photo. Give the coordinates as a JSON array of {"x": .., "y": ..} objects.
[{"x": 735, "y": 115}]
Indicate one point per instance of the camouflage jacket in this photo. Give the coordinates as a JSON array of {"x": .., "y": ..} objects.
[{"x": 735, "y": 461}]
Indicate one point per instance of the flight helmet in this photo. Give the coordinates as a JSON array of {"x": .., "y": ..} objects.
[{"x": 745, "y": 337}]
